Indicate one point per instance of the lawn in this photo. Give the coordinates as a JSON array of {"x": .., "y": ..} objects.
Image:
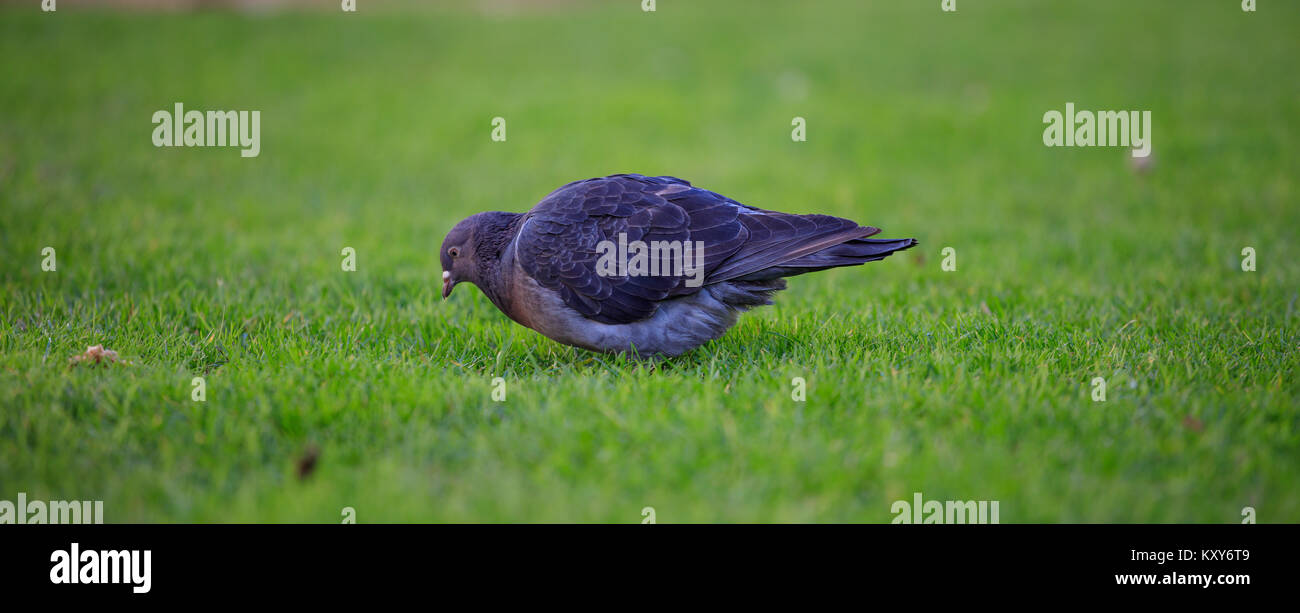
[{"x": 973, "y": 384}]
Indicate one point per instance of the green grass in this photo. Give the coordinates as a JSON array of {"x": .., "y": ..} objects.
[{"x": 971, "y": 384}]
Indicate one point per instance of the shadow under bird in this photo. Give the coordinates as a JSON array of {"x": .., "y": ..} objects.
[{"x": 650, "y": 266}]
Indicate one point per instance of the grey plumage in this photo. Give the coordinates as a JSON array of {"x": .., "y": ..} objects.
[{"x": 549, "y": 269}]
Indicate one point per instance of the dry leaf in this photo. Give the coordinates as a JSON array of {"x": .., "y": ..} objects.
[
  {"x": 307, "y": 462},
  {"x": 96, "y": 354}
]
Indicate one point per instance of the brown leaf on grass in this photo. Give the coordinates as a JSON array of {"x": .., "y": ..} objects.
[
  {"x": 307, "y": 462},
  {"x": 96, "y": 354},
  {"x": 1192, "y": 423}
]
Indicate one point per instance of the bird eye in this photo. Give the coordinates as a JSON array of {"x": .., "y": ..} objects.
[{"x": 453, "y": 252}]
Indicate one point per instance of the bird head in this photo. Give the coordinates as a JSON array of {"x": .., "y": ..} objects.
[
  {"x": 473, "y": 249},
  {"x": 456, "y": 255}
]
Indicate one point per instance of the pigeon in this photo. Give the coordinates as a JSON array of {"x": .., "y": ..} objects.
[{"x": 645, "y": 266}]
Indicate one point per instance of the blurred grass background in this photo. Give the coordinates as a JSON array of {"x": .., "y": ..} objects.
[{"x": 375, "y": 128}]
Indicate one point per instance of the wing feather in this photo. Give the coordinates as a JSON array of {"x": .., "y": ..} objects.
[{"x": 559, "y": 242}]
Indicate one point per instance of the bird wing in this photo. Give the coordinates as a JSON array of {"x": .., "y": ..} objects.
[{"x": 559, "y": 241}]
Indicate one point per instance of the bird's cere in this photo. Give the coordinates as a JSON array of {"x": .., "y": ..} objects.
[{"x": 655, "y": 259}]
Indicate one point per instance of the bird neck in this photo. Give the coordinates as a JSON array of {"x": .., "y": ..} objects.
[
  {"x": 496, "y": 231},
  {"x": 495, "y": 258}
]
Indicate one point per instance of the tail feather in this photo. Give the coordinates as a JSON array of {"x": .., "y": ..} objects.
[
  {"x": 856, "y": 251},
  {"x": 849, "y": 253}
]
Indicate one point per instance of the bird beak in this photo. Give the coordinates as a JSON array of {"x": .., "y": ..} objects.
[{"x": 447, "y": 284}]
